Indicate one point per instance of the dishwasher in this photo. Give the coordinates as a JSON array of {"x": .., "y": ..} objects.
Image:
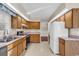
[{"x": 3, "y": 51}]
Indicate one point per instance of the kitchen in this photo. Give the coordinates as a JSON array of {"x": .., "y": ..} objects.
[{"x": 55, "y": 34}]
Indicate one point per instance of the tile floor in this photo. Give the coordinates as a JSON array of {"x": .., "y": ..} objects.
[{"x": 38, "y": 49}]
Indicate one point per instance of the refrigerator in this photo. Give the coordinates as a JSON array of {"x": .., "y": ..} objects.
[{"x": 57, "y": 30}]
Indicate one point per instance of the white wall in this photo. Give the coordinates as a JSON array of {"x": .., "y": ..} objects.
[
  {"x": 5, "y": 21},
  {"x": 74, "y": 32},
  {"x": 44, "y": 28}
]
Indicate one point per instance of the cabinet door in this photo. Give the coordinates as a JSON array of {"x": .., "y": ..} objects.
[
  {"x": 20, "y": 49},
  {"x": 24, "y": 44},
  {"x": 61, "y": 47},
  {"x": 31, "y": 38},
  {"x": 23, "y": 21},
  {"x": 34, "y": 25},
  {"x": 19, "y": 22},
  {"x": 35, "y": 38},
  {"x": 28, "y": 24},
  {"x": 75, "y": 18},
  {"x": 68, "y": 20},
  {"x": 13, "y": 52},
  {"x": 14, "y": 22}
]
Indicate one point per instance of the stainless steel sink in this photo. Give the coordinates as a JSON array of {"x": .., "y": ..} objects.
[
  {"x": 16, "y": 37},
  {"x": 9, "y": 38}
]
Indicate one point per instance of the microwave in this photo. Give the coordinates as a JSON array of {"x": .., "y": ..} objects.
[{"x": 20, "y": 33}]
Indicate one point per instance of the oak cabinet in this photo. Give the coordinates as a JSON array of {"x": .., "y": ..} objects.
[
  {"x": 13, "y": 52},
  {"x": 61, "y": 18},
  {"x": 72, "y": 18},
  {"x": 75, "y": 18},
  {"x": 12, "y": 45},
  {"x": 34, "y": 25},
  {"x": 20, "y": 49},
  {"x": 68, "y": 46},
  {"x": 61, "y": 47},
  {"x": 68, "y": 19},
  {"x": 16, "y": 48},
  {"x": 19, "y": 19},
  {"x": 23, "y": 21},
  {"x": 24, "y": 43},
  {"x": 14, "y": 21},
  {"x": 18, "y": 22},
  {"x": 35, "y": 38}
]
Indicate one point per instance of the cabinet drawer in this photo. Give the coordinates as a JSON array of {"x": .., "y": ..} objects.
[
  {"x": 13, "y": 52},
  {"x": 12, "y": 45}
]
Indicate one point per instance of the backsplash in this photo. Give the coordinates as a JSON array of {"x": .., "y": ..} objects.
[{"x": 74, "y": 31}]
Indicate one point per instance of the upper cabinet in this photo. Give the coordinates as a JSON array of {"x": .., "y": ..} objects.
[
  {"x": 69, "y": 19},
  {"x": 18, "y": 22},
  {"x": 75, "y": 18},
  {"x": 61, "y": 18},
  {"x": 14, "y": 22},
  {"x": 72, "y": 18},
  {"x": 34, "y": 25}
]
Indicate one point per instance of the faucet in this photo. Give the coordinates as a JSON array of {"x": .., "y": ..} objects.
[{"x": 5, "y": 32}]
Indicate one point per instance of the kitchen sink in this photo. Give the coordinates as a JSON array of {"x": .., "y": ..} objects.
[
  {"x": 8, "y": 38},
  {"x": 16, "y": 37}
]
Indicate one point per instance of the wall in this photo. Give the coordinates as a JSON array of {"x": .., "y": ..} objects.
[
  {"x": 74, "y": 32},
  {"x": 44, "y": 28},
  {"x": 5, "y": 22}
]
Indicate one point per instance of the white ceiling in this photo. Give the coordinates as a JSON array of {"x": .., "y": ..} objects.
[{"x": 37, "y": 11}]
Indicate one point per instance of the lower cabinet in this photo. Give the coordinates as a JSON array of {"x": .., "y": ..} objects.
[
  {"x": 68, "y": 46},
  {"x": 13, "y": 52},
  {"x": 61, "y": 47},
  {"x": 24, "y": 44},
  {"x": 3, "y": 51},
  {"x": 34, "y": 38},
  {"x": 20, "y": 49},
  {"x": 16, "y": 48}
]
